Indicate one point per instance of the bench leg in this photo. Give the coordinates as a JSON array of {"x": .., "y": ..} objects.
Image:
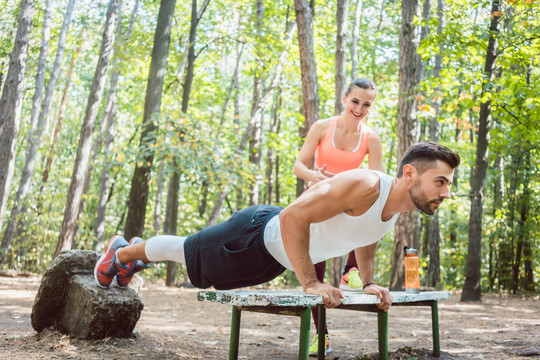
[
  {"x": 435, "y": 327},
  {"x": 321, "y": 330},
  {"x": 382, "y": 326},
  {"x": 305, "y": 322},
  {"x": 235, "y": 333}
]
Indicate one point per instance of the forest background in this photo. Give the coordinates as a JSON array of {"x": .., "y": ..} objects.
[{"x": 145, "y": 117}]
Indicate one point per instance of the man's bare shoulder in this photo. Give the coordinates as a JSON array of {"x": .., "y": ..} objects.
[
  {"x": 364, "y": 176},
  {"x": 360, "y": 188}
]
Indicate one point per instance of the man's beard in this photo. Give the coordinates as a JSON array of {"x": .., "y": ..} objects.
[{"x": 420, "y": 199}]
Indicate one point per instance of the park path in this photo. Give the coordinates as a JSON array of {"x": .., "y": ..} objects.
[{"x": 174, "y": 325}]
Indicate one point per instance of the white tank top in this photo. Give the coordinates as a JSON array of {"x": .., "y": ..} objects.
[{"x": 338, "y": 235}]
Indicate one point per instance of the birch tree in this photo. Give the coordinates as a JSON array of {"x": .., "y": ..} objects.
[
  {"x": 256, "y": 133},
  {"x": 67, "y": 231},
  {"x": 36, "y": 103},
  {"x": 11, "y": 101},
  {"x": 109, "y": 119},
  {"x": 39, "y": 115},
  {"x": 354, "y": 41},
  {"x": 224, "y": 191},
  {"x": 174, "y": 181}
]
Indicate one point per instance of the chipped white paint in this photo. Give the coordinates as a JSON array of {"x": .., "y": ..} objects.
[{"x": 299, "y": 298}]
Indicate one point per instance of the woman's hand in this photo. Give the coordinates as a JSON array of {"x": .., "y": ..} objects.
[{"x": 319, "y": 175}]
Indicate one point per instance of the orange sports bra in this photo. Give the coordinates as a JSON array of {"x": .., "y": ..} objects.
[{"x": 338, "y": 160}]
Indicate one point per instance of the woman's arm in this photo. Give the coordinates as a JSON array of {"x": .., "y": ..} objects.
[
  {"x": 375, "y": 152},
  {"x": 301, "y": 166}
]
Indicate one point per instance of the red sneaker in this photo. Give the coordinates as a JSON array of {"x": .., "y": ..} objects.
[
  {"x": 123, "y": 277},
  {"x": 108, "y": 265}
]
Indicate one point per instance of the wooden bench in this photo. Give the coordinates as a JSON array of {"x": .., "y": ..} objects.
[{"x": 298, "y": 303}]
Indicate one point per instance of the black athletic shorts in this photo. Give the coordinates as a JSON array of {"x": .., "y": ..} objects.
[{"x": 232, "y": 254}]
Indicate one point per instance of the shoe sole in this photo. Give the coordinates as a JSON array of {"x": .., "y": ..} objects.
[
  {"x": 348, "y": 288},
  {"x": 101, "y": 259},
  {"x": 327, "y": 351}
]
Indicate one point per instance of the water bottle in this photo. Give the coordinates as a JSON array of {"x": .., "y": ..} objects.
[{"x": 412, "y": 271}]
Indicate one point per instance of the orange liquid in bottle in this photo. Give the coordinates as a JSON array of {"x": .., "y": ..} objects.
[{"x": 412, "y": 275}]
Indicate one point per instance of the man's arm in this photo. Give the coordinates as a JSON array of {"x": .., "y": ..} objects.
[
  {"x": 365, "y": 259},
  {"x": 352, "y": 192}
]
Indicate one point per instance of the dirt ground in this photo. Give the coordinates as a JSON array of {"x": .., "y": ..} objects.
[{"x": 174, "y": 325}]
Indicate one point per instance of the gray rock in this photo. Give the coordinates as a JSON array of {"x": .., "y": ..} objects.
[{"x": 70, "y": 300}]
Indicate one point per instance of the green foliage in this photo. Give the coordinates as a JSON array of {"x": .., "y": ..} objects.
[{"x": 202, "y": 144}]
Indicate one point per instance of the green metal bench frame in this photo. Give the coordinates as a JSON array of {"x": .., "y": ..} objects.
[{"x": 299, "y": 304}]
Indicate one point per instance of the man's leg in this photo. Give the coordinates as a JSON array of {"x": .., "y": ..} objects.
[
  {"x": 158, "y": 248},
  {"x": 122, "y": 259}
]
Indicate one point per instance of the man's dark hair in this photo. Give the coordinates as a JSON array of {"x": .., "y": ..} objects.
[{"x": 424, "y": 155}]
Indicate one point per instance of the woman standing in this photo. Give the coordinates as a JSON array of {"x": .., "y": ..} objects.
[{"x": 340, "y": 144}]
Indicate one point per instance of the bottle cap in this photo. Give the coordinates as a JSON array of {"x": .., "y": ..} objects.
[{"x": 411, "y": 251}]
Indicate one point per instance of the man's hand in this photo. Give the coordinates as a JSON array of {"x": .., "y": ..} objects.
[
  {"x": 381, "y": 293},
  {"x": 331, "y": 295}
]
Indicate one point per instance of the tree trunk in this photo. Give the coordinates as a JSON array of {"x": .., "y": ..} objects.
[
  {"x": 172, "y": 223},
  {"x": 39, "y": 123},
  {"x": 109, "y": 118},
  {"x": 507, "y": 245},
  {"x": 355, "y": 34},
  {"x": 11, "y": 102},
  {"x": 255, "y": 149},
  {"x": 498, "y": 195},
  {"x": 183, "y": 63},
  {"x": 271, "y": 153},
  {"x": 138, "y": 195},
  {"x": 408, "y": 132},
  {"x": 67, "y": 233},
  {"x": 528, "y": 276},
  {"x": 424, "y": 31},
  {"x": 188, "y": 81},
  {"x": 61, "y": 112},
  {"x": 276, "y": 179},
  {"x": 220, "y": 201},
  {"x": 160, "y": 182},
  {"x": 204, "y": 198},
  {"x": 342, "y": 16},
  {"x": 42, "y": 62},
  {"x": 308, "y": 69},
  {"x": 471, "y": 288},
  {"x": 256, "y": 133},
  {"x": 234, "y": 82},
  {"x": 31, "y": 149},
  {"x": 255, "y": 158},
  {"x": 434, "y": 238},
  {"x": 342, "y": 19},
  {"x": 218, "y": 204},
  {"x": 524, "y": 206}
]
